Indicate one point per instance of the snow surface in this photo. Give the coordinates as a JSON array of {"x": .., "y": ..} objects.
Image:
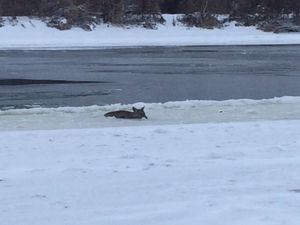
[
  {"x": 153, "y": 172},
  {"x": 34, "y": 34},
  {"x": 216, "y": 174}
]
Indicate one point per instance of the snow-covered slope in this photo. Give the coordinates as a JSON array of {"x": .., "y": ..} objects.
[{"x": 34, "y": 34}]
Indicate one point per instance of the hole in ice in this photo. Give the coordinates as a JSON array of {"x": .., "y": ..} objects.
[{"x": 14, "y": 82}]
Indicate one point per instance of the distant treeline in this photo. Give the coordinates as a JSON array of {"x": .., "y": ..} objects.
[{"x": 115, "y": 10}]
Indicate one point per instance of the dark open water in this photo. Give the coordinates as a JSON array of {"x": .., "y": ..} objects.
[{"x": 151, "y": 74}]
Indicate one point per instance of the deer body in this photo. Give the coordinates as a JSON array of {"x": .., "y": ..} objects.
[{"x": 123, "y": 114}]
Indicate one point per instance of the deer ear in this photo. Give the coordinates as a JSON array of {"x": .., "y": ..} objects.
[{"x": 134, "y": 109}]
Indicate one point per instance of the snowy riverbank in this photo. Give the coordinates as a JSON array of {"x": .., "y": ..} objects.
[
  {"x": 193, "y": 162},
  {"x": 34, "y": 34},
  {"x": 215, "y": 173}
]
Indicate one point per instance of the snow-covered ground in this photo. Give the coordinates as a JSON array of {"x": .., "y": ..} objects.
[
  {"x": 34, "y": 34},
  {"x": 195, "y": 162},
  {"x": 227, "y": 173}
]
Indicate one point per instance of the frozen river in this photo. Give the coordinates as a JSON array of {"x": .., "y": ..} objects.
[{"x": 150, "y": 74}]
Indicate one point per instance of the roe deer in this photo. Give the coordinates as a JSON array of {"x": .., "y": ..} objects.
[{"x": 123, "y": 114}]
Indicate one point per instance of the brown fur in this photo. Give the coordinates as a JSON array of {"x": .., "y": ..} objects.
[{"x": 123, "y": 114}]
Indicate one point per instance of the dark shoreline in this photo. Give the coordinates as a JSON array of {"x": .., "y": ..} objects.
[{"x": 99, "y": 48}]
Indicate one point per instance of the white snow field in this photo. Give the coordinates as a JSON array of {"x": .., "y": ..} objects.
[
  {"x": 34, "y": 34},
  {"x": 235, "y": 162}
]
